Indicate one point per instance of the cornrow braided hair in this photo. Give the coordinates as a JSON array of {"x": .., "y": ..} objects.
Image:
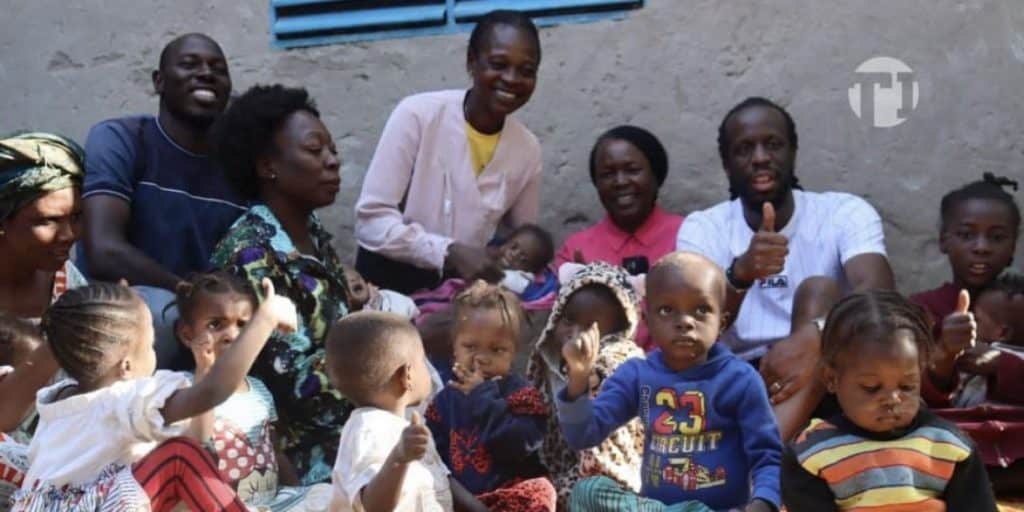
[
  {"x": 875, "y": 316},
  {"x": 990, "y": 187},
  {"x": 187, "y": 292},
  {"x": 484, "y": 295},
  {"x": 89, "y": 327}
]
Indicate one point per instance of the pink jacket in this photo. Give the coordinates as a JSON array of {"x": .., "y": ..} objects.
[{"x": 423, "y": 151}]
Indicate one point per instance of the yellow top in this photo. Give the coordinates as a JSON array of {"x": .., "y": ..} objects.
[{"x": 481, "y": 147}]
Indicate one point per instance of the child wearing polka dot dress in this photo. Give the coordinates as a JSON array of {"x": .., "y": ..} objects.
[{"x": 214, "y": 308}]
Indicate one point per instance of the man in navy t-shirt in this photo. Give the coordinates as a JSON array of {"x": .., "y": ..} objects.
[{"x": 155, "y": 204}]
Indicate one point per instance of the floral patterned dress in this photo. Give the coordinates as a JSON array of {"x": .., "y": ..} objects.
[{"x": 311, "y": 412}]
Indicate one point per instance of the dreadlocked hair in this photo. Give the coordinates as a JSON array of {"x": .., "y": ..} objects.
[
  {"x": 723, "y": 133},
  {"x": 89, "y": 328},
  {"x": 188, "y": 292},
  {"x": 990, "y": 187},
  {"x": 875, "y": 316},
  {"x": 484, "y": 295}
]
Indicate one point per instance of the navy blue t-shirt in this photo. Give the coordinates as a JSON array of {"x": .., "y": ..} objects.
[{"x": 181, "y": 203}]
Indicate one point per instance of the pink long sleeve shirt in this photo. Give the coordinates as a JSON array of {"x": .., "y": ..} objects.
[{"x": 423, "y": 157}]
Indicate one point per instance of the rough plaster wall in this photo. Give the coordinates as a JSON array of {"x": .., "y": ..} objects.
[{"x": 675, "y": 66}]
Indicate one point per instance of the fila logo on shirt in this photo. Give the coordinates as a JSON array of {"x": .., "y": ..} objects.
[{"x": 776, "y": 281}]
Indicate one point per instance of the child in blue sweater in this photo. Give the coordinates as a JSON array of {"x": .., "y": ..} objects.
[
  {"x": 488, "y": 423},
  {"x": 711, "y": 441}
]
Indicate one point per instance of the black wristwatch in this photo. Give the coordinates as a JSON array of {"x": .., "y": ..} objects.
[{"x": 730, "y": 276}]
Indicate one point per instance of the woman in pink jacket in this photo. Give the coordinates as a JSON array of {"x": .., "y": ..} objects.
[{"x": 451, "y": 165}]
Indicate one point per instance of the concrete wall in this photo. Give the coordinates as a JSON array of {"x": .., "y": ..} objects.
[{"x": 675, "y": 66}]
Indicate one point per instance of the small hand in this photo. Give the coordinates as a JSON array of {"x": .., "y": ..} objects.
[
  {"x": 580, "y": 353},
  {"x": 204, "y": 357},
  {"x": 413, "y": 444},
  {"x": 766, "y": 254},
  {"x": 979, "y": 360},
  {"x": 281, "y": 308},
  {"x": 959, "y": 330},
  {"x": 471, "y": 263},
  {"x": 467, "y": 379},
  {"x": 791, "y": 363}
]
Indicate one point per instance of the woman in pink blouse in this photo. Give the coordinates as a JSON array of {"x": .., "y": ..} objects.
[
  {"x": 452, "y": 165},
  {"x": 628, "y": 165}
]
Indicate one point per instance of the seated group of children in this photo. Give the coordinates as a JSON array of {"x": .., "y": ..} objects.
[{"x": 595, "y": 425}]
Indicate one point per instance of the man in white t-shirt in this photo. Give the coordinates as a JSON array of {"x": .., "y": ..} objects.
[{"x": 789, "y": 254}]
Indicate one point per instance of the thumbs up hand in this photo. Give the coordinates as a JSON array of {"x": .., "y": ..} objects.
[
  {"x": 959, "y": 332},
  {"x": 279, "y": 307},
  {"x": 415, "y": 438},
  {"x": 766, "y": 254}
]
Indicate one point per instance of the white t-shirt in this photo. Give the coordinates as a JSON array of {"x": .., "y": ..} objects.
[
  {"x": 368, "y": 437},
  {"x": 79, "y": 436},
  {"x": 826, "y": 230}
]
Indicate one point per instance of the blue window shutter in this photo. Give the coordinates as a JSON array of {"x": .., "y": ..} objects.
[
  {"x": 315, "y": 22},
  {"x": 304, "y": 22},
  {"x": 469, "y": 10}
]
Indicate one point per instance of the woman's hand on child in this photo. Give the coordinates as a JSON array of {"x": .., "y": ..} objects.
[
  {"x": 280, "y": 307},
  {"x": 471, "y": 263},
  {"x": 414, "y": 442},
  {"x": 467, "y": 379}
]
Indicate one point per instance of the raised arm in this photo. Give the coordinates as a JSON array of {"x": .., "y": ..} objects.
[
  {"x": 384, "y": 491},
  {"x": 585, "y": 422},
  {"x": 275, "y": 312}
]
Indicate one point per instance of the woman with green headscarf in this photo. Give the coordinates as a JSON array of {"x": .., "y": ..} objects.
[{"x": 40, "y": 211}]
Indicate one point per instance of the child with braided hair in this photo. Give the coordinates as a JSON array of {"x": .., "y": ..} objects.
[{"x": 96, "y": 446}]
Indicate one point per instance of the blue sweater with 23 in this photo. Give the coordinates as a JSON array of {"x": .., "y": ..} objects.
[{"x": 710, "y": 434}]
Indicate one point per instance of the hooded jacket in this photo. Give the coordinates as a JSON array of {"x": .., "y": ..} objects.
[{"x": 621, "y": 454}]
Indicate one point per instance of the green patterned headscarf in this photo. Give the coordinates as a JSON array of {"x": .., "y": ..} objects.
[{"x": 34, "y": 164}]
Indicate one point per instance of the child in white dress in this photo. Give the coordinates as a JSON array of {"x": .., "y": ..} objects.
[{"x": 96, "y": 447}]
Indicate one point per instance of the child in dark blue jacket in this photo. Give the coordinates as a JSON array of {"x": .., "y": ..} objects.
[
  {"x": 711, "y": 441},
  {"x": 488, "y": 424}
]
